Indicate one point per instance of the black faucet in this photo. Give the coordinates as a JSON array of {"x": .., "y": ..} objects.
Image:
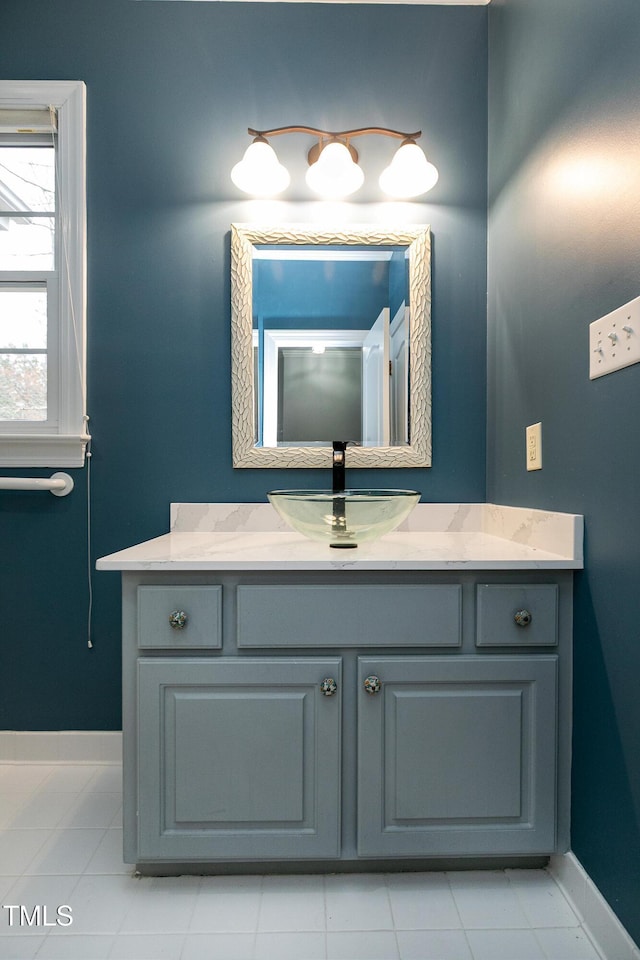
[
  {"x": 339, "y": 447},
  {"x": 339, "y": 516}
]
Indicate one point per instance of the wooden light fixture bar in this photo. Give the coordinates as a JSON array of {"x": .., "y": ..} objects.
[{"x": 342, "y": 136}]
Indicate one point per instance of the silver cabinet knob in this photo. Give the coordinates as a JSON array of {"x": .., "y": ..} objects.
[
  {"x": 522, "y": 618},
  {"x": 372, "y": 684},
  {"x": 328, "y": 687},
  {"x": 178, "y": 619}
]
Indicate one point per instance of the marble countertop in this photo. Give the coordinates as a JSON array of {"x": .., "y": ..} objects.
[{"x": 447, "y": 536}]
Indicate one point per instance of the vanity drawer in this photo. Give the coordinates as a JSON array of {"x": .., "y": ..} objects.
[
  {"x": 517, "y": 615},
  {"x": 180, "y": 616},
  {"x": 357, "y": 615}
]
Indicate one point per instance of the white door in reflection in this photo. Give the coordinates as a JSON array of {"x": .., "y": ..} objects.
[
  {"x": 375, "y": 383},
  {"x": 399, "y": 380}
]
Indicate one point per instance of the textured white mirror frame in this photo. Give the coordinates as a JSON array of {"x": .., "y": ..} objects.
[{"x": 244, "y": 236}]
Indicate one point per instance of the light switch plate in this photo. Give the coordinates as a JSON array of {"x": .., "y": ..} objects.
[
  {"x": 614, "y": 340},
  {"x": 534, "y": 447}
]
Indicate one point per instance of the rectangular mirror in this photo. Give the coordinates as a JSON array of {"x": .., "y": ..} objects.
[{"x": 331, "y": 340}]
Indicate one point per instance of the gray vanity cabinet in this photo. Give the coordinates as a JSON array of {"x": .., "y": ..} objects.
[
  {"x": 241, "y": 758},
  {"x": 321, "y": 719},
  {"x": 456, "y": 756}
]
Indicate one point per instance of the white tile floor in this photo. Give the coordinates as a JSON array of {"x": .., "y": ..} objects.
[{"x": 60, "y": 844}]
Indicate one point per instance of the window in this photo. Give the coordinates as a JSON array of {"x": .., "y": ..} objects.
[{"x": 42, "y": 273}]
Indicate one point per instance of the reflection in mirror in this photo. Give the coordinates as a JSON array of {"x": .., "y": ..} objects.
[
  {"x": 326, "y": 323},
  {"x": 331, "y": 340}
]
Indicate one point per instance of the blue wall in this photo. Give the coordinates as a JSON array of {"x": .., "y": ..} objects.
[
  {"x": 171, "y": 89},
  {"x": 345, "y": 294},
  {"x": 564, "y": 229}
]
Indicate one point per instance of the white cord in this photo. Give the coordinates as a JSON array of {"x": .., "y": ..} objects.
[{"x": 89, "y": 566}]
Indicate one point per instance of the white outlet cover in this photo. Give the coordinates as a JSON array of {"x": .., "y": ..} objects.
[
  {"x": 534, "y": 446},
  {"x": 614, "y": 340}
]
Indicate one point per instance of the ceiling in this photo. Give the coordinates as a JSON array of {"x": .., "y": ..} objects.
[{"x": 461, "y": 3}]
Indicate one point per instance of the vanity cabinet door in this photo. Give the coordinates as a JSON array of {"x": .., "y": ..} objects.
[
  {"x": 241, "y": 758},
  {"x": 456, "y": 756}
]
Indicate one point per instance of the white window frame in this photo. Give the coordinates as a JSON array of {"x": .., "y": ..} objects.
[{"x": 62, "y": 440}]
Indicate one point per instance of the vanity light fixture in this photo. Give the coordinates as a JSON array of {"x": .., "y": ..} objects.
[
  {"x": 333, "y": 171},
  {"x": 335, "y": 174},
  {"x": 259, "y": 172}
]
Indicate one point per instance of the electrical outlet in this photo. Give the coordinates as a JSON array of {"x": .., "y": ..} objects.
[
  {"x": 534, "y": 447},
  {"x": 614, "y": 340}
]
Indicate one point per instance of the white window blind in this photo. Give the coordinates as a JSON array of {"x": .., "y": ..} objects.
[{"x": 20, "y": 120}]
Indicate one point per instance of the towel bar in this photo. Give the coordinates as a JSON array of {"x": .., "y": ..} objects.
[{"x": 59, "y": 484}]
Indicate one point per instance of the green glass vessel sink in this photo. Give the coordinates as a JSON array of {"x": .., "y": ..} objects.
[{"x": 343, "y": 519}]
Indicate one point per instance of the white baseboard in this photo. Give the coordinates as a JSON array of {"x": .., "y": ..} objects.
[
  {"x": 60, "y": 746},
  {"x": 596, "y": 915}
]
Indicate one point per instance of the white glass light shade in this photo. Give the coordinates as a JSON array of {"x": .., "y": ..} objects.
[
  {"x": 409, "y": 174},
  {"x": 334, "y": 174},
  {"x": 260, "y": 173}
]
